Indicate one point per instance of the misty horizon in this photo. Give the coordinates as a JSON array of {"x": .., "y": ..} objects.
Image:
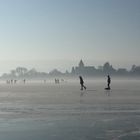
[
  {"x": 79, "y": 69},
  {"x": 61, "y": 65}
]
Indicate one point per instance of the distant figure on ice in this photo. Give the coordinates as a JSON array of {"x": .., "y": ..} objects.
[
  {"x": 82, "y": 83},
  {"x": 56, "y": 81},
  {"x": 108, "y": 82},
  {"x": 24, "y": 81}
]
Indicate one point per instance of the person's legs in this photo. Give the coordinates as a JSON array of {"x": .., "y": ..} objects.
[
  {"x": 84, "y": 87},
  {"x": 108, "y": 85},
  {"x": 81, "y": 86}
]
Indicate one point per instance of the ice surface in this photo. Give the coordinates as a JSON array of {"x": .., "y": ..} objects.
[{"x": 38, "y": 111}]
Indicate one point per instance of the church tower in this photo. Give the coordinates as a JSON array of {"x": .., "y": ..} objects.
[{"x": 81, "y": 64}]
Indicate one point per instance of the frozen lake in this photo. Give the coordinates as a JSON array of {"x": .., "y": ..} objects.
[{"x": 48, "y": 111}]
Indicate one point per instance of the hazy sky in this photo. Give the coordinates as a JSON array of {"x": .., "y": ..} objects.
[{"x": 48, "y": 34}]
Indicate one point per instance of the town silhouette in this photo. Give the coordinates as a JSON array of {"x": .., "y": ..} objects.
[{"x": 81, "y": 69}]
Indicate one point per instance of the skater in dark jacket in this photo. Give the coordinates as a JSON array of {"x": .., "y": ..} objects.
[
  {"x": 82, "y": 83},
  {"x": 108, "y": 82}
]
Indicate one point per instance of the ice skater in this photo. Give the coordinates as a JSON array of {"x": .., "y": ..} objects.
[
  {"x": 24, "y": 81},
  {"x": 108, "y": 82},
  {"x": 82, "y": 83}
]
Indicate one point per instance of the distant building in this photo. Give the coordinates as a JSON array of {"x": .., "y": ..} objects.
[
  {"x": 108, "y": 69},
  {"x": 81, "y": 69},
  {"x": 81, "y": 64}
]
